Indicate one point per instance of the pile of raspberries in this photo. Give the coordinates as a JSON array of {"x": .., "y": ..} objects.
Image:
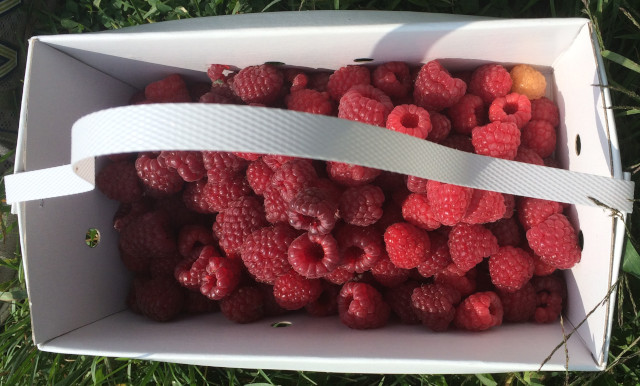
[{"x": 256, "y": 235}]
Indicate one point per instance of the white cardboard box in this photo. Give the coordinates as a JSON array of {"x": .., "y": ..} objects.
[{"x": 77, "y": 293}]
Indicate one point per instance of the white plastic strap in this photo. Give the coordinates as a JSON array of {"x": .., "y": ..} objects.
[{"x": 158, "y": 127}]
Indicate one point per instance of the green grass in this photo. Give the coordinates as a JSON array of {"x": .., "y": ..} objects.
[{"x": 618, "y": 26}]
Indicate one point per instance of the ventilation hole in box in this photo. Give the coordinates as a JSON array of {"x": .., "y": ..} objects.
[
  {"x": 92, "y": 237},
  {"x": 580, "y": 240},
  {"x": 363, "y": 60},
  {"x": 275, "y": 63},
  {"x": 578, "y": 144},
  {"x": 284, "y": 323}
]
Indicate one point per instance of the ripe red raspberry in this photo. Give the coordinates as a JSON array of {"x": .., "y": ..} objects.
[
  {"x": 469, "y": 244},
  {"x": 542, "y": 268},
  {"x": 448, "y": 202},
  {"x": 215, "y": 72},
  {"x": 519, "y": 306},
  {"x": 293, "y": 291},
  {"x": 327, "y": 303},
  {"x": 362, "y": 307},
  {"x": 459, "y": 142},
  {"x": 293, "y": 177},
  {"x": 351, "y": 175},
  {"x": 435, "y": 89},
  {"x": 496, "y": 139},
  {"x": 438, "y": 258},
  {"x": 156, "y": 176},
  {"x": 346, "y": 77},
  {"x": 533, "y": 211},
  {"x": 393, "y": 78},
  {"x": 314, "y": 256},
  {"x": 490, "y": 81},
  {"x": 193, "y": 197},
  {"x": 245, "y": 305},
  {"x": 188, "y": 164},
  {"x": 435, "y": 305},
  {"x": 275, "y": 206},
  {"x": 340, "y": 275},
  {"x": 247, "y": 156},
  {"x": 540, "y": 137},
  {"x": 222, "y": 190},
  {"x": 221, "y": 163},
  {"x": 440, "y": 127},
  {"x": 119, "y": 181},
  {"x": 313, "y": 210},
  {"x": 485, "y": 207},
  {"x": 147, "y": 237},
  {"x": 258, "y": 84},
  {"x": 545, "y": 109},
  {"x": 507, "y": 232},
  {"x": 387, "y": 274},
  {"x": 188, "y": 271},
  {"x": 318, "y": 80},
  {"x": 407, "y": 245},
  {"x": 479, "y": 312},
  {"x": 465, "y": 283},
  {"x": 295, "y": 80},
  {"x": 310, "y": 101},
  {"x": 399, "y": 299},
  {"x": 417, "y": 184},
  {"x": 416, "y": 210},
  {"x": 160, "y": 299},
  {"x": 171, "y": 89},
  {"x": 467, "y": 113},
  {"x": 409, "y": 119},
  {"x": 237, "y": 221},
  {"x": 275, "y": 161},
  {"x": 192, "y": 237},
  {"x": 259, "y": 176},
  {"x": 218, "y": 95},
  {"x": 510, "y": 268},
  {"x": 221, "y": 277},
  {"x": 555, "y": 241},
  {"x": 359, "y": 247},
  {"x": 515, "y": 108},
  {"x": 551, "y": 295},
  {"x": 361, "y": 205},
  {"x": 265, "y": 252},
  {"x": 528, "y": 156},
  {"x": 366, "y": 104}
]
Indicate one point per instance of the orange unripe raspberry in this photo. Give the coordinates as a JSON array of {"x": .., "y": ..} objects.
[{"x": 528, "y": 81}]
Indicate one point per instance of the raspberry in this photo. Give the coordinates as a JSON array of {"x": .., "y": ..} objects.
[
  {"x": 528, "y": 81},
  {"x": 310, "y": 101},
  {"x": 160, "y": 299},
  {"x": 275, "y": 207},
  {"x": 346, "y": 77},
  {"x": 275, "y": 161},
  {"x": 387, "y": 273},
  {"x": 484, "y": 207},
  {"x": 351, "y": 175},
  {"x": 221, "y": 191},
  {"x": 393, "y": 78},
  {"x": 519, "y": 306},
  {"x": 435, "y": 89},
  {"x": 264, "y": 252},
  {"x": 509, "y": 204},
  {"x": 496, "y": 139},
  {"x": 440, "y": 127},
  {"x": 313, "y": 210},
  {"x": 188, "y": 164},
  {"x": 542, "y": 268},
  {"x": 319, "y": 80},
  {"x": 510, "y": 268},
  {"x": 533, "y": 211},
  {"x": 467, "y": 113},
  {"x": 540, "y": 137},
  {"x": 222, "y": 275},
  {"x": 259, "y": 176},
  {"x": 215, "y": 72},
  {"x": 417, "y": 211},
  {"x": 327, "y": 303},
  {"x": 156, "y": 176},
  {"x": 247, "y": 156},
  {"x": 314, "y": 256},
  {"x": 465, "y": 283},
  {"x": 512, "y": 107},
  {"x": 550, "y": 298},
  {"x": 459, "y": 142},
  {"x": 237, "y": 221},
  {"x": 192, "y": 237},
  {"x": 366, "y": 104},
  {"x": 448, "y": 202},
  {"x": 528, "y": 156},
  {"x": 127, "y": 212},
  {"x": 438, "y": 258},
  {"x": 399, "y": 299},
  {"x": 490, "y": 81},
  {"x": 544, "y": 109},
  {"x": 435, "y": 305},
  {"x": 469, "y": 244},
  {"x": 507, "y": 232},
  {"x": 193, "y": 197},
  {"x": 417, "y": 184},
  {"x": 340, "y": 275},
  {"x": 359, "y": 247},
  {"x": 138, "y": 99},
  {"x": 552, "y": 162},
  {"x": 258, "y": 84},
  {"x": 555, "y": 241},
  {"x": 184, "y": 276},
  {"x": 147, "y": 237},
  {"x": 292, "y": 177},
  {"x": 293, "y": 291},
  {"x": 296, "y": 80},
  {"x": 406, "y": 244},
  {"x": 219, "y": 95},
  {"x": 479, "y": 312},
  {"x": 171, "y": 89},
  {"x": 361, "y": 306},
  {"x": 220, "y": 163},
  {"x": 361, "y": 205},
  {"x": 409, "y": 119},
  {"x": 244, "y": 305},
  {"x": 119, "y": 181},
  {"x": 197, "y": 303}
]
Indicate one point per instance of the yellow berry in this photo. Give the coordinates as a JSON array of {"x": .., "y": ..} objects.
[{"x": 528, "y": 81}]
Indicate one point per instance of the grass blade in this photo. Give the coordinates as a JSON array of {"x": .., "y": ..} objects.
[{"x": 621, "y": 60}]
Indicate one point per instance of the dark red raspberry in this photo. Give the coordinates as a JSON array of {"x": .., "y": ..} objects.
[
  {"x": 275, "y": 207},
  {"x": 340, "y": 275},
  {"x": 275, "y": 161},
  {"x": 293, "y": 177},
  {"x": 409, "y": 119},
  {"x": 156, "y": 176},
  {"x": 215, "y": 72},
  {"x": 507, "y": 232},
  {"x": 160, "y": 299},
  {"x": 528, "y": 156},
  {"x": 540, "y": 137},
  {"x": 138, "y": 99},
  {"x": 542, "y": 268},
  {"x": 259, "y": 176},
  {"x": 313, "y": 210},
  {"x": 220, "y": 163},
  {"x": 351, "y": 175},
  {"x": 258, "y": 84},
  {"x": 359, "y": 247},
  {"x": 185, "y": 277},
  {"x": 519, "y": 306},
  {"x": 399, "y": 299},
  {"x": 407, "y": 245},
  {"x": 467, "y": 113},
  {"x": 318, "y": 80},
  {"x": 440, "y": 127},
  {"x": 245, "y": 305},
  {"x": 438, "y": 258},
  {"x": 387, "y": 273},
  {"x": 293, "y": 291},
  {"x": 247, "y": 156},
  {"x": 361, "y": 306},
  {"x": 192, "y": 237},
  {"x": 366, "y": 104},
  {"x": 148, "y": 236},
  {"x": 361, "y": 205},
  {"x": 555, "y": 241},
  {"x": 485, "y": 207},
  {"x": 551, "y": 295},
  {"x": 171, "y": 89},
  {"x": 119, "y": 181},
  {"x": 469, "y": 244},
  {"x": 346, "y": 77},
  {"x": 545, "y": 109},
  {"x": 327, "y": 303},
  {"x": 179, "y": 214},
  {"x": 435, "y": 305},
  {"x": 193, "y": 197},
  {"x": 435, "y": 89},
  {"x": 310, "y": 101},
  {"x": 552, "y": 163},
  {"x": 221, "y": 191},
  {"x": 490, "y": 81},
  {"x": 448, "y": 202},
  {"x": 465, "y": 283},
  {"x": 514, "y": 107},
  {"x": 459, "y": 142},
  {"x": 417, "y": 184},
  {"x": 416, "y": 210},
  {"x": 127, "y": 212},
  {"x": 265, "y": 252},
  {"x": 479, "y": 312},
  {"x": 393, "y": 78},
  {"x": 221, "y": 94},
  {"x": 188, "y": 164},
  {"x": 221, "y": 277},
  {"x": 496, "y": 139},
  {"x": 509, "y": 204},
  {"x": 533, "y": 211},
  {"x": 314, "y": 256},
  {"x": 510, "y": 268},
  {"x": 197, "y": 303},
  {"x": 332, "y": 189},
  {"x": 237, "y": 221}
]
